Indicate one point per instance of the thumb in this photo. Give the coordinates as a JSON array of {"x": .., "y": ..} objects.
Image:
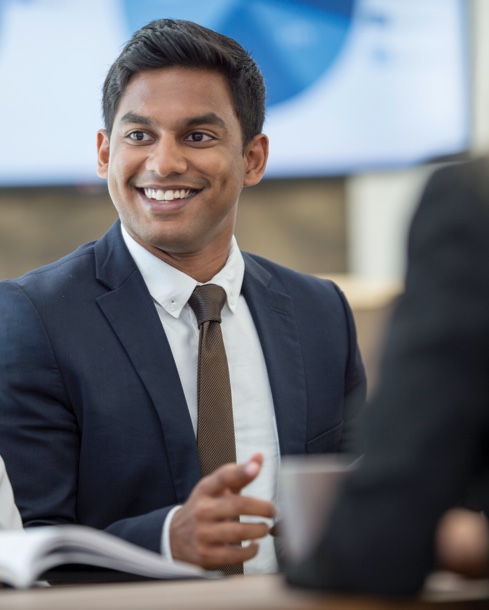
[{"x": 233, "y": 477}]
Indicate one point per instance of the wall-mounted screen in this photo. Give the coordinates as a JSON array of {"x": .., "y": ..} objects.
[{"x": 353, "y": 85}]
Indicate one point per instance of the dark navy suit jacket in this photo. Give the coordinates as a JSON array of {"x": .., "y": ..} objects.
[{"x": 94, "y": 426}]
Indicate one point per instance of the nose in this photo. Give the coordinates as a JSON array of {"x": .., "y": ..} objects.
[{"x": 167, "y": 157}]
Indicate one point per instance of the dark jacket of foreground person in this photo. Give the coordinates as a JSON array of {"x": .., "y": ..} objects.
[{"x": 426, "y": 433}]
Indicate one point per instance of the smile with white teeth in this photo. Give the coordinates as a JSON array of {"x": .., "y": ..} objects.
[{"x": 167, "y": 194}]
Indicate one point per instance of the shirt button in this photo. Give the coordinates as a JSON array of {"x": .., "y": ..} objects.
[{"x": 173, "y": 307}]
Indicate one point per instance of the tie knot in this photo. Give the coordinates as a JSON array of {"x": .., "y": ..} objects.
[{"x": 207, "y": 302}]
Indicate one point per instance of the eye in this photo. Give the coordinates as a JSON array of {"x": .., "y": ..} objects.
[
  {"x": 139, "y": 136},
  {"x": 198, "y": 136}
]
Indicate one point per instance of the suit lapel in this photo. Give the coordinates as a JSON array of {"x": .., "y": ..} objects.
[
  {"x": 274, "y": 316},
  {"x": 146, "y": 344},
  {"x": 130, "y": 310}
]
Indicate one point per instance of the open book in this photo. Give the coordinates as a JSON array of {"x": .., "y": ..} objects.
[{"x": 26, "y": 555}]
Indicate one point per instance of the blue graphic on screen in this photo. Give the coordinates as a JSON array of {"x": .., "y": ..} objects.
[{"x": 293, "y": 42}]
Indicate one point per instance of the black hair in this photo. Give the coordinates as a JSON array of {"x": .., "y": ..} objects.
[{"x": 166, "y": 43}]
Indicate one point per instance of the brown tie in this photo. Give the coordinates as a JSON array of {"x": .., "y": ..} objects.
[{"x": 215, "y": 424}]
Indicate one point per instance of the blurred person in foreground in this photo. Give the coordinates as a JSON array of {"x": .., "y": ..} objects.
[
  {"x": 98, "y": 381},
  {"x": 425, "y": 436}
]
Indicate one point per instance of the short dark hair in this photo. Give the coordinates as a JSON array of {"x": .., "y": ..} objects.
[{"x": 166, "y": 43}]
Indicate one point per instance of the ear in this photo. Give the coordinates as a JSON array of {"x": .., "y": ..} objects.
[
  {"x": 256, "y": 156},
  {"x": 103, "y": 148}
]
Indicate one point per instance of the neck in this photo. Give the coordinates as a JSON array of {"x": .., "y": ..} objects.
[{"x": 201, "y": 266}]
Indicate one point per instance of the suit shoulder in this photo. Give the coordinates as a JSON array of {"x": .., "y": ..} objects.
[
  {"x": 470, "y": 176},
  {"x": 457, "y": 193},
  {"x": 66, "y": 269},
  {"x": 294, "y": 280}
]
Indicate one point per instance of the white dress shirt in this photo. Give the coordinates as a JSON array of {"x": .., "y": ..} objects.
[
  {"x": 254, "y": 417},
  {"x": 9, "y": 515}
]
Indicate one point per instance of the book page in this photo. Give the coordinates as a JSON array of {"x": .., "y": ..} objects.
[{"x": 26, "y": 555}]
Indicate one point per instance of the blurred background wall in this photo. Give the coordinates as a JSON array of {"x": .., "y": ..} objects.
[{"x": 352, "y": 229}]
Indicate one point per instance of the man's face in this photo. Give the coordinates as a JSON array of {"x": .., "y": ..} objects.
[{"x": 175, "y": 163}]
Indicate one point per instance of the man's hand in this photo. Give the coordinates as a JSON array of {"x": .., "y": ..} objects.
[{"x": 202, "y": 531}]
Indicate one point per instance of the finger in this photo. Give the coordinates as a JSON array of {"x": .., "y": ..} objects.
[
  {"x": 228, "y": 532},
  {"x": 232, "y": 505},
  {"x": 257, "y": 457},
  {"x": 214, "y": 557},
  {"x": 231, "y": 476}
]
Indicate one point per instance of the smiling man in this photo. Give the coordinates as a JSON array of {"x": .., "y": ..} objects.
[
  {"x": 100, "y": 409},
  {"x": 176, "y": 165}
]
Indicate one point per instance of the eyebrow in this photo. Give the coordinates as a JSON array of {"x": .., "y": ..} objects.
[
  {"x": 133, "y": 117},
  {"x": 206, "y": 119},
  {"x": 209, "y": 118}
]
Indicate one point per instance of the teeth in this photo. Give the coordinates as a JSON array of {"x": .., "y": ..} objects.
[{"x": 167, "y": 195}]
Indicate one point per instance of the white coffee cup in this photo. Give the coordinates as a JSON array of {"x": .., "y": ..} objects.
[{"x": 307, "y": 489}]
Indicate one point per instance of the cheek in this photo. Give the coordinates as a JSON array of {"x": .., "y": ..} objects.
[
  {"x": 118, "y": 188},
  {"x": 229, "y": 171},
  {"x": 117, "y": 179},
  {"x": 123, "y": 166}
]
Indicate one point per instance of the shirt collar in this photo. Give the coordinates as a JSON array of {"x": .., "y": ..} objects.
[{"x": 172, "y": 288}]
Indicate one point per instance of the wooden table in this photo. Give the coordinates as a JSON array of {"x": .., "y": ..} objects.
[{"x": 235, "y": 593}]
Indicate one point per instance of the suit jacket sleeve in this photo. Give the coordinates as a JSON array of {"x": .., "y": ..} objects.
[
  {"x": 425, "y": 435},
  {"x": 40, "y": 430}
]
